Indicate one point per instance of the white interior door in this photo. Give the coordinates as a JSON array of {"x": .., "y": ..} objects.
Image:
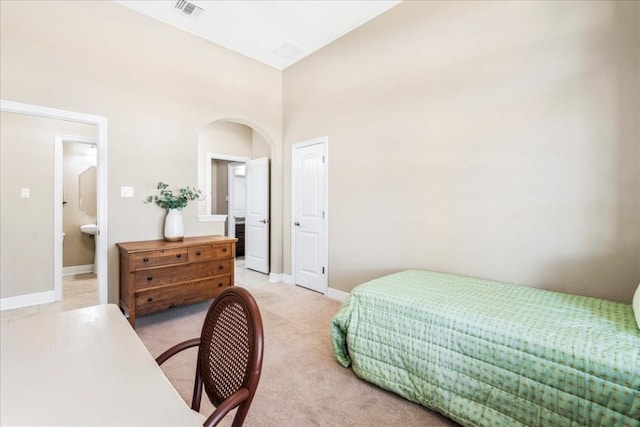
[
  {"x": 256, "y": 254},
  {"x": 309, "y": 209}
]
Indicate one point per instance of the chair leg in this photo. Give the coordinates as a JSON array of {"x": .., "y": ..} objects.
[
  {"x": 197, "y": 391},
  {"x": 241, "y": 414}
]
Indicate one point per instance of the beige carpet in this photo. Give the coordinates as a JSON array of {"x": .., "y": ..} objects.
[{"x": 301, "y": 382}]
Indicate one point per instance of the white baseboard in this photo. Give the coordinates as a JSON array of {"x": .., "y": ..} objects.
[
  {"x": 337, "y": 294},
  {"x": 287, "y": 279},
  {"x": 77, "y": 269},
  {"x": 275, "y": 277},
  {"x": 26, "y": 300}
]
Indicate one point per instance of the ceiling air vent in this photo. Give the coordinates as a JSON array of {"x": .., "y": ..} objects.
[
  {"x": 289, "y": 51},
  {"x": 188, "y": 8}
]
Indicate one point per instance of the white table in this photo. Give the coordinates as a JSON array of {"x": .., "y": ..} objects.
[{"x": 83, "y": 367}]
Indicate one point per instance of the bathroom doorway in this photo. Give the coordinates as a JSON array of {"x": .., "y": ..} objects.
[{"x": 79, "y": 220}]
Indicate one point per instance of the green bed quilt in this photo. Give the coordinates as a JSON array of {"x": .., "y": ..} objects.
[{"x": 486, "y": 353}]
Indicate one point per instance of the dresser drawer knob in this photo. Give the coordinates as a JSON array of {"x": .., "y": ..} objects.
[
  {"x": 145, "y": 259},
  {"x": 198, "y": 253},
  {"x": 150, "y": 299},
  {"x": 179, "y": 255},
  {"x": 224, "y": 249},
  {"x": 149, "y": 278},
  {"x": 219, "y": 285},
  {"x": 221, "y": 267}
]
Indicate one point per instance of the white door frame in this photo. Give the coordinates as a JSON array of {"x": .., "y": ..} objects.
[
  {"x": 101, "y": 180},
  {"x": 325, "y": 251}
]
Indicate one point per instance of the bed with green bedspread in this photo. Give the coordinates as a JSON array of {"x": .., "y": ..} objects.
[{"x": 487, "y": 353}]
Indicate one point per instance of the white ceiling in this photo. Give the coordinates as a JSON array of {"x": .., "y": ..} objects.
[{"x": 277, "y": 33}]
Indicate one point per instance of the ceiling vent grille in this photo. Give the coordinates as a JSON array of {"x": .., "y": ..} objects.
[{"x": 188, "y": 8}]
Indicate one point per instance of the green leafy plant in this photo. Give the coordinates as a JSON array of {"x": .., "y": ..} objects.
[{"x": 169, "y": 199}]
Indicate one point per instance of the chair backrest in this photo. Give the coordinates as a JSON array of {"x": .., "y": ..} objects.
[{"x": 231, "y": 347}]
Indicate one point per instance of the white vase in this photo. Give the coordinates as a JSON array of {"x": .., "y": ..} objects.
[{"x": 173, "y": 226}]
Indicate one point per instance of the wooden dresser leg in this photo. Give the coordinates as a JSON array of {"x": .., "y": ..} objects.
[{"x": 132, "y": 318}]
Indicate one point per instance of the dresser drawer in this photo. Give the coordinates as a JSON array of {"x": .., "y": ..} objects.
[
  {"x": 150, "y": 300},
  {"x": 205, "y": 252},
  {"x": 180, "y": 273},
  {"x": 160, "y": 257}
]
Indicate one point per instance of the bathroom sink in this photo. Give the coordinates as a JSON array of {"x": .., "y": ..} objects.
[{"x": 89, "y": 228}]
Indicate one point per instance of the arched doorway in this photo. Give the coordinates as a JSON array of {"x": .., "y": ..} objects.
[{"x": 233, "y": 159}]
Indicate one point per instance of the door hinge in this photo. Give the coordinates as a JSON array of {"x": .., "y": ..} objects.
[
  {"x": 322, "y": 270},
  {"x": 322, "y": 214},
  {"x": 323, "y": 159}
]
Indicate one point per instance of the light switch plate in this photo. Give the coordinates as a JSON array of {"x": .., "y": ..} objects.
[
  {"x": 25, "y": 193},
  {"x": 126, "y": 191}
]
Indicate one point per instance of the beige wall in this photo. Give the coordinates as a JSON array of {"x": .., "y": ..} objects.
[
  {"x": 503, "y": 135},
  {"x": 26, "y": 224},
  {"x": 158, "y": 87},
  {"x": 259, "y": 147}
]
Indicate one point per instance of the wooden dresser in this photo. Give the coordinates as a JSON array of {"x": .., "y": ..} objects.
[{"x": 157, "y": 274}]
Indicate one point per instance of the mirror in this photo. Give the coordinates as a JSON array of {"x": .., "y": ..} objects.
[{"x": 87, "y": 191}]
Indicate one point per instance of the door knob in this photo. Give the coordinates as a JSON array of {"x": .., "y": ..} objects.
[
  {"x": 297, "y": 224},
  {"x": 264, "y": 221}
]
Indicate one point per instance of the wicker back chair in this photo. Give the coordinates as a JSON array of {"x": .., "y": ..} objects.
[{"x": 229, "y": 355}]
